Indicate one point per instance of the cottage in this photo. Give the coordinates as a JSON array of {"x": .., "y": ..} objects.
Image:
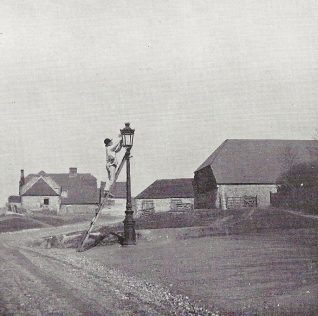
[
  {"x": 166, "y": 195},
  {"x": 243, "y": 172},
  {"x": 61, "y": 192}
]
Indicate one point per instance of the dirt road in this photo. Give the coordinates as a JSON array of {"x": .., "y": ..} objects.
[
  {"x": 37, "y": 281},
  {"x": 268, "y": 266}
]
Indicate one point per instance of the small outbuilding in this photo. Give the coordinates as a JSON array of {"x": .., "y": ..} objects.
[
  {"x": 244, "y": 172},
  {"x": 14, "y": 203},
  {"x": 166, "y": 195},
  {"x": 116, "y": 203}
]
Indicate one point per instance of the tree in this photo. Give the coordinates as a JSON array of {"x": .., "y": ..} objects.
[
  {"x": 298, "y": 187},
  {"x": 303, "y": 175}
]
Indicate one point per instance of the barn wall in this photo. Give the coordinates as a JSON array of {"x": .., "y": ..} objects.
[
  {"x": 262, "y": 191},
  {"x": 205, "y": 189},
  {"x": 37, "y": 202},
  {"x": 205, "y": 200},
  {"x": 162, "y": 205}
]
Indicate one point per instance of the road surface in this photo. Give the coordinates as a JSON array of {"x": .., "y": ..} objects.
[{"x": 38, "y": 281}]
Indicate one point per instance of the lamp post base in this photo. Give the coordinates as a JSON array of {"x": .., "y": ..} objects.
[{"x": 129, "y": 230}]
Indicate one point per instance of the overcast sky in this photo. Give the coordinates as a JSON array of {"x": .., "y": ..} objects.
[{"x": 186, "y": 74}]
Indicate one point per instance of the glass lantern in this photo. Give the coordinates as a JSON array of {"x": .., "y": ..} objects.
[{"x": 127, "y": 134}]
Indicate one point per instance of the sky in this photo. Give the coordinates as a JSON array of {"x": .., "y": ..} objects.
[{"x": 186, "y": 74}]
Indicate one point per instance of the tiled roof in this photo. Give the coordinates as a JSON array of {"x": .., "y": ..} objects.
[
  {"x": 81, "y": 188},
  {"x": 119, "y": 190},
  {"x": 257, "y": 161},
  {"x": 79, "y": 192},
  {"x": 40, "y": 188},
  {"x": 168, "y": 188}
]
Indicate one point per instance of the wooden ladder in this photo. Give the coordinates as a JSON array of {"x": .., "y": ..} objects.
[{"x": 102, "y": 203}]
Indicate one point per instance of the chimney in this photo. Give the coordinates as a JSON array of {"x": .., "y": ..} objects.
[
  {"x": 22, "y": 180},
  {"x": 73, "y": 172}
]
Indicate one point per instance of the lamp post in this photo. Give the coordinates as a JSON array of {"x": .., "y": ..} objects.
[{"x": 129, "y": 224}]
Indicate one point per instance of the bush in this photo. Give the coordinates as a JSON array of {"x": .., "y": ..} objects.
[{"x": 298, "y": 187}]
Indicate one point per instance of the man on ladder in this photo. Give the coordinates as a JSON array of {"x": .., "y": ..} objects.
[
  {"x": 112, "y": 175},
  {"x": 111, "y": 161}
]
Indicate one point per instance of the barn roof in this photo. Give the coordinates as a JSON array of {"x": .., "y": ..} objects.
[
  {"x": 81, "y": 188},
  {"x": 257, "y": 161},
  {"x": 119, "y": 190},
  {"x": 168, "y": 188}
]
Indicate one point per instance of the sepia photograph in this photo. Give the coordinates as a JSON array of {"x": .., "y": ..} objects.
[{"x": 159, "y": 157}]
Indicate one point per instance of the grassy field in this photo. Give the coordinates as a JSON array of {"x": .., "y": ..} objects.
[
  {"x": 249, "y": 262},
  {"x": 240, "y": 262},
  {"x": 12, "y": 222}
]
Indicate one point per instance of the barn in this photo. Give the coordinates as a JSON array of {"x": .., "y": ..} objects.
[
  {"x": 244, "y": 172},
  {"x": 166, "y": 195}
]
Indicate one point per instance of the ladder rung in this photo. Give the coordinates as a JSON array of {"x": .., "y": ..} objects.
[{"x": 100, "y": 207}]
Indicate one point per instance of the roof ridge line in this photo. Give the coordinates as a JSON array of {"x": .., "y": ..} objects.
[
  {"x": 218, "y": 151},
  {"x": 46, "y": 181},
  {"x": 37, "y": 180}
]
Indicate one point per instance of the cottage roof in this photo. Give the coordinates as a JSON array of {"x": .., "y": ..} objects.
[
  {"x": 257, "y": 161},
  {"x": 119, "y": 190},
  {"x": 81, "y": 188},
  {"x": 40, "y": 188},
  {"x": 168, "y": 188},
  {"x": 14, "y": 199}
]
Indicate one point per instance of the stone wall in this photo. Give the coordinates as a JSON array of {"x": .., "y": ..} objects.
[
  {"x": 36, "y": 203},
  {"x": 262, "y": 191}
]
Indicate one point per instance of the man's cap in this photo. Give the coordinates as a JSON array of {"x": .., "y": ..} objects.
[{"x": 107, "y": 141}]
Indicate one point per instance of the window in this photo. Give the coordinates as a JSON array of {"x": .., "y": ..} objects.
[
  {"x": 174, "y": 204},
  {"x": 147, "y": 205},
  {"x": 46, "y": 201}
]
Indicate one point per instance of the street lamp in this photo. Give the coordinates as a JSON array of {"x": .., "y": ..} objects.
[{"x": 127, "y": 134}]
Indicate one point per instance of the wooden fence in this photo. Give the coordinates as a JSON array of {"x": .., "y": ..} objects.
[{"x": 241, "y": 201}]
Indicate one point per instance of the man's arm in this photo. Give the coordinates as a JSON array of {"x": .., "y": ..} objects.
[{"x": 117, "y": 147}]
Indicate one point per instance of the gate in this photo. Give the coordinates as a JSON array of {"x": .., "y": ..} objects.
[{"x": 241, "y": 201}]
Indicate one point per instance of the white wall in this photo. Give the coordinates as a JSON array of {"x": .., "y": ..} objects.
[
  {"x": 117, "y": 209},
  {"x": 262, "y": 191},
  {"x": 37, "y": 202},
  {"x": 78, "y": 208},
  {"x": 162, "y": 205}
]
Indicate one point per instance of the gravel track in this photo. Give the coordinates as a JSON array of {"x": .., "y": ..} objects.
[{"x": 39, "y": 281}]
